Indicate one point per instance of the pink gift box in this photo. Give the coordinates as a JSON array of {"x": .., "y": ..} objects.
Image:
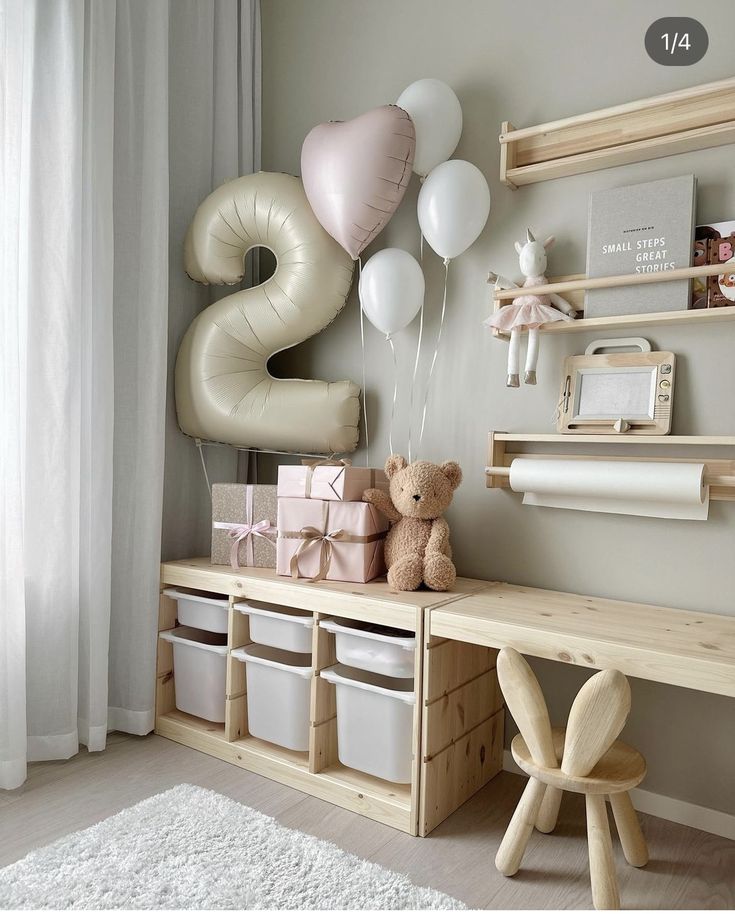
[
  {"x": 335, "y": 481},
  {"x": 332, "y": 540}
]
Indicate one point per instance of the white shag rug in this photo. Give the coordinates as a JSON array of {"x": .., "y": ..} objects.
[{"x": 193, "y": 848}]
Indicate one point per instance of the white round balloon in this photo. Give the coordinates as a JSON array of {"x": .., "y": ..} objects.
[
  {"x": 391, "y": 290},
  {"x": 437, "y": 118},
  {"x": 453, "y": 206}
]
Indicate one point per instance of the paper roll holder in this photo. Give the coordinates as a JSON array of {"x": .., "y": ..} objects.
[{"x": 719, "y": 473}]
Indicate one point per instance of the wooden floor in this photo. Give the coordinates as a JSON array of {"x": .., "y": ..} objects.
[{"x": 688, "y": 868}]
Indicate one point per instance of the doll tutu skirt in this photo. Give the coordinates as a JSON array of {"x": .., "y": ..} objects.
[{"x": 524, "y": 314}]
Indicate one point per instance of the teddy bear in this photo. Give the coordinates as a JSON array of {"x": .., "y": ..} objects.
[{"x": 417, "y": 546}]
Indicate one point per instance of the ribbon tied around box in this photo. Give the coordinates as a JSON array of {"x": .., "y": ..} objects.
[
  {"x": 246, "y": 531},
  {"x": 311, "y": 465},
  {"x": 310, "y": 536}
]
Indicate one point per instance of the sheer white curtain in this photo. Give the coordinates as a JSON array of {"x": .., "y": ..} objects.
[{"x": 84, "y": 242}]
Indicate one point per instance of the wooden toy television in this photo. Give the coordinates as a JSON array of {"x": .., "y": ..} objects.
[{"x": 617, "y": 392}]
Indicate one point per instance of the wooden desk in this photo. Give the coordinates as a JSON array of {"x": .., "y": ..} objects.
[
  {"x": 458, "y": 722},
  {"x": 674, "y": 646}
]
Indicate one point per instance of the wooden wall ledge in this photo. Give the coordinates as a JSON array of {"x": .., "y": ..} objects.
[{"x": 650, "y": 128}]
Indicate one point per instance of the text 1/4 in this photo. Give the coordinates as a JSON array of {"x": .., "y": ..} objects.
[{"x": 677, "y": 41}]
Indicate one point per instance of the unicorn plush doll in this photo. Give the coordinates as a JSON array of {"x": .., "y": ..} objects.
[{"x": 527, "y": 312}]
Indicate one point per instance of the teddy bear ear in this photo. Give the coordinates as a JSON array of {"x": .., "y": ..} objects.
[
  {"x": 393, "y": 464},
  {"x": 453, "y": 472}
]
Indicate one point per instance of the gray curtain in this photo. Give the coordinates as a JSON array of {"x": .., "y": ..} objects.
[{"x": 119, "y": 117}]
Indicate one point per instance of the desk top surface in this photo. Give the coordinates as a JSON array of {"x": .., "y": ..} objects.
[
  {"x": 375, "y": 600},
  {"x": 679, "y": 647}
]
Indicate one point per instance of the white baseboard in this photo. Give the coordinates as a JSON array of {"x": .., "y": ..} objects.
[{"x": 669, "y": 808}]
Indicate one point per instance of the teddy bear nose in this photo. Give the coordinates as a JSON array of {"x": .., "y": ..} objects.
[{"x": 417, "y": 498}]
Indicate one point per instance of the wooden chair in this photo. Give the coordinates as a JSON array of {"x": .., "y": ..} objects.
[{"x": 585, "y": 758}]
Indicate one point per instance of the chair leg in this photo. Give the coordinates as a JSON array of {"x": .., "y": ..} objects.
[
  {"x": 549, "y": 812},
  {"x": 605, "y": 894},
  {"x": 512, "y": 847},
  {"x": 629, "y": 829}
]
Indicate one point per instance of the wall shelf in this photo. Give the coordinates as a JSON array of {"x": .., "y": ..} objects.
[
  {"x": 572, "y": 288},
  {"x": 719, "y": 473},
  {"x": 684, "y": 121},
  {"x": 624, "y": 438}
]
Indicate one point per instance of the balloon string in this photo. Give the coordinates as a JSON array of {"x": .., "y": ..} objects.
[
  {"x": 413, "y": 380},
  {"x": 362, "y": 348},
  {"x": 436, "y": 352},
  {"x": 422, "y": 178},
  {"x": 395, "y": 396},
  {"x": 418, "y": 353}
]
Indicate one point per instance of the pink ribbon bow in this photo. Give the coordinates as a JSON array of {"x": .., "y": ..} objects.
[{"x": 240, "y": 532}]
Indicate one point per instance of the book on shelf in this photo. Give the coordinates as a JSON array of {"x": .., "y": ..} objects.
[
  {"x": 714, "y": 243},
  {"x": 640, "y": 228}
]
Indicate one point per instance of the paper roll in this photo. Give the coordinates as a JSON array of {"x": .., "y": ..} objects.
[{"x": 643, "y": 488}]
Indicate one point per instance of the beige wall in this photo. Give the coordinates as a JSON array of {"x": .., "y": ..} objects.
[{"x": 334, "y": 59}]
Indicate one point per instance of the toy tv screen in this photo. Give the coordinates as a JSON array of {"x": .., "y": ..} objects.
[{"x": 608, "y": 394}]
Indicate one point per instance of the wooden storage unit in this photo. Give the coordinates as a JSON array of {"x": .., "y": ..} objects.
[
  {"x": 455, "y": 753},
  {"x": 463, "y": 725}
]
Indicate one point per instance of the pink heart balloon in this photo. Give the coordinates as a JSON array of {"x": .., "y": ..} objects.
[{"x": 356, "y": 172}]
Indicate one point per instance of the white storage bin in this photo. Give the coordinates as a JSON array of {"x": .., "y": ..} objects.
[
  {"x": 279, "y": 626},
  {"x": 279, "y": 686},
  {"x": 376, "y": 648},
  {"x": 200, "y": 670},
  {"x": 200, "y": 610},
  {"x": 374, "y": 722}
]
